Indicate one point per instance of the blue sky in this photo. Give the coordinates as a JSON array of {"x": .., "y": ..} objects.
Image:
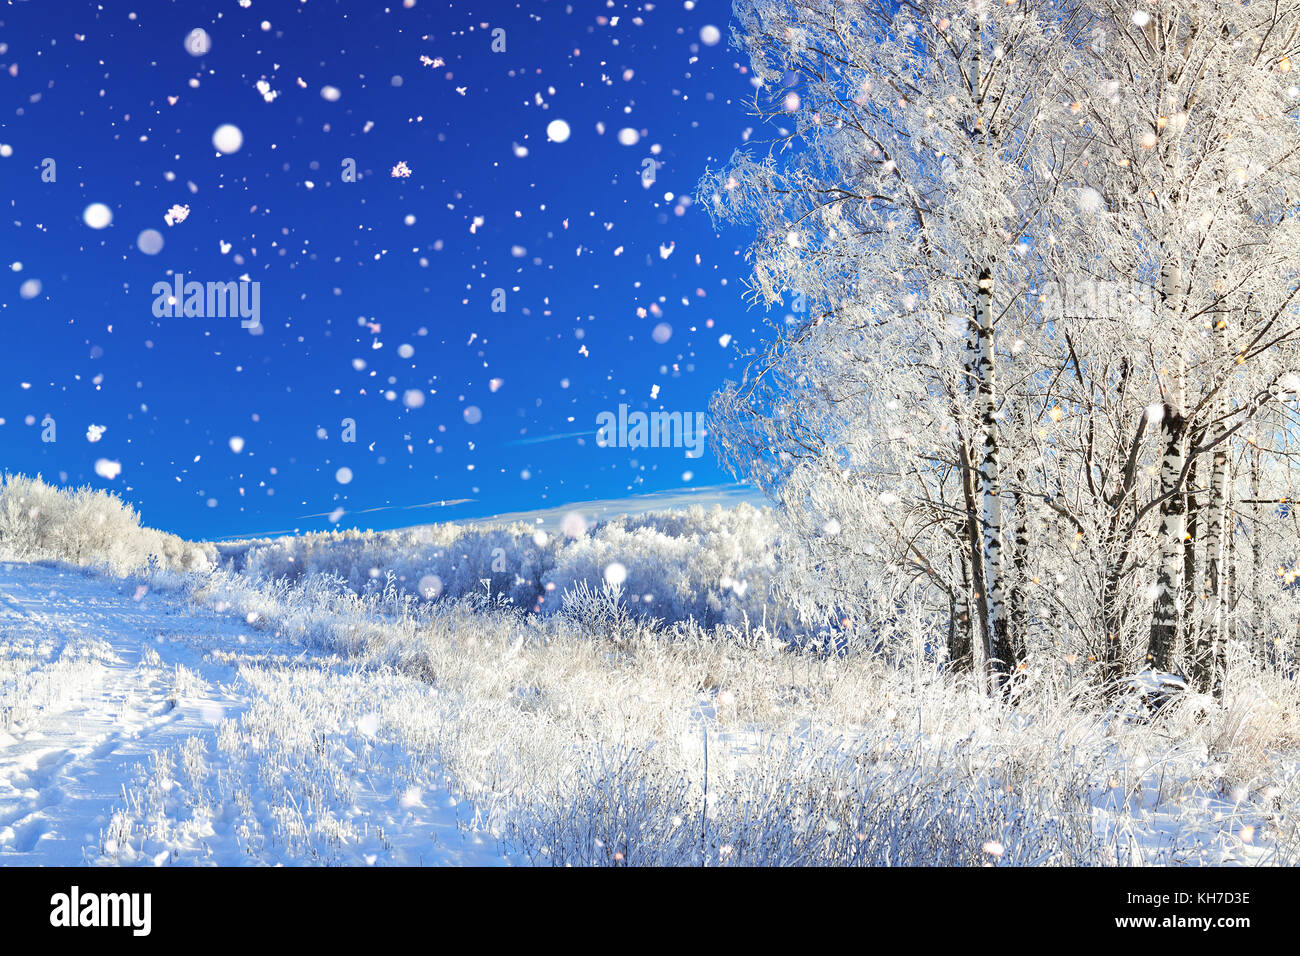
[{"x": 495, "y": 410}]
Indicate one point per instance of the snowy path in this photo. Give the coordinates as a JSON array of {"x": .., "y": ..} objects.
[{"x": 138, "y": 728}]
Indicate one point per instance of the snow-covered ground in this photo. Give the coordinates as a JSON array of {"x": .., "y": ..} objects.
[
  {"x": 207, "y": 717},
  {"x": 119, "y": 705}
]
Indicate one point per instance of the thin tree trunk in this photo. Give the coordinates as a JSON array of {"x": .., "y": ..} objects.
[
  {"x": 1112, "y": 663},
  {"x": 1257, "y": 636},
  {"x": 1164, "y": 617},
  {"x": 1232, "y": 626},
  {"x": 1295, "y": 652},
  {"x": 1111, "y": 670},
  {"x": 1018, "y": 616},
  {"x": 960, "y": 637},
  {"x": 1192, "y": 595},
  {"x": 1117, "y": 552},
  {"x": 976, "y": 553},
  {"x": 1209, "y": 649},
  {"x": 1163, "y": 647},
  {"x": 1000, "y": 656}
]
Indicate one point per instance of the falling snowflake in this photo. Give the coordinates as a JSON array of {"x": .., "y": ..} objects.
[
  {"x": 97, "y": 215},
  {"x": 401, "y": 171},
  {"x": 268, "y": 94},
  {"x": 228, "y": 138},
  {"x": 177, "y": 214}
]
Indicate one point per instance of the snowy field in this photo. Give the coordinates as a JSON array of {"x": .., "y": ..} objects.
[
  {"x": 142, "y": 728},
  {"x": 208, "y": 716}
]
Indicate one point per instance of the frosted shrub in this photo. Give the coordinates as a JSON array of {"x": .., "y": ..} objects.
[
  {"x": 601, "y": 611},
  {"x": 712, "y": 566},
  {"x": 85, "y": 526},
  {"x": 814, "y": 804},
  {"x": 431, "y": 561}
]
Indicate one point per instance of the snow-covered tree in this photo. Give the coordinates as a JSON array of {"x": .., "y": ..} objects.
[
  {"x": 915, "y": 159},
  {"x": 1051, "y": 264},
  {"x": 1188, "y": 122}
]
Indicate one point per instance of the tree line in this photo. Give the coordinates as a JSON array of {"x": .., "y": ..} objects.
[{"x": 1045, "y": 385}]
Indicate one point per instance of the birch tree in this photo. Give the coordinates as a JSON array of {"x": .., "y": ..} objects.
[
  {"x": 913, "y": 155},
  {"x": 1192, "y": 142},
  {"x": 1052, "y": 267}
]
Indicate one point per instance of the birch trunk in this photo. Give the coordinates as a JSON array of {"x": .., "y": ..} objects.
[
  {"x": 1111, "y": 660},
  {"x": 975, "y": 551},
  {"x": 1192, "y": 595},
  {"x": 1000, "y": 656},
  {"x": 960, "y": 637},
  {"x": 1163, "y": 648},
  {"x": 1164, "y": 617},
  {"x": 1018, "y": 616},
  {"x": 1257, "y": 638},
  {"x": 1210, "y": 638}
]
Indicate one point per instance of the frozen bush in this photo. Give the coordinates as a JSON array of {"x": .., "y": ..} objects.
[
  {"x": 85, "y": 526},
  {"x": 713, "y": 566}
]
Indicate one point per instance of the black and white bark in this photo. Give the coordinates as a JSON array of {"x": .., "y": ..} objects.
[
  {"x": 1018, "y": 609},
  {"x": 1163, "y": 647},
  {"x": 975, "y": 550},
  {"x": 1001, "y": 658},
  {"x": 1192, "y": 595},
  {"x": 1258, "y": 638},
  {"x": 1169, "y": 576},
  {"x": 961, "y": 629},
  {"x": 1210, "y": 637}
]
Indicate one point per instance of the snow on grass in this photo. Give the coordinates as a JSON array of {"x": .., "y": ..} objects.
[
  {"x": 138, "y": 728},
  {"x": 587, "y": 744},
  {"x": 237, "y": 716}
]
